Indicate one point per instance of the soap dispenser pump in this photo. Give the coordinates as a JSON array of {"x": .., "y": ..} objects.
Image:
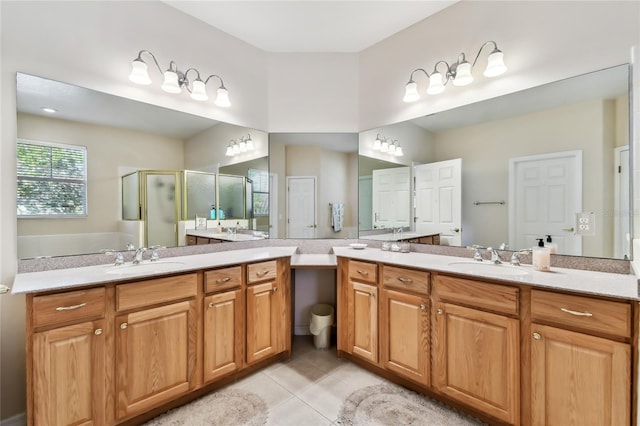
[
  {"x": 552, "y": 246},
  {"x": 540, "y": 242}
]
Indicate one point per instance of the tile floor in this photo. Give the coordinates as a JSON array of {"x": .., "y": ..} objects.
[{"x": 308, "y": 389}]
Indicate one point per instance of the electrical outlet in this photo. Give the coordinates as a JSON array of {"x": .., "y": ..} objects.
[{"x": 586, "y": 223}]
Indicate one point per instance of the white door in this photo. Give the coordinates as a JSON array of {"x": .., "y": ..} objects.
[
  {"x": 545, "y": 193},
  {"x": 622, "y": 231},
  {"x": 391, "y": 190},
  {"x": 301, "y": 207},
  {"x": 273, "y": 205},
  {"x": 365, "y": 206},
  {"x": 439, "y": 200}
]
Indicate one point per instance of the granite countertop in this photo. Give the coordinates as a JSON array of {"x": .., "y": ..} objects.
[
  {"x": 63, "y": 279},
  {"x": 624, "y": 286}
]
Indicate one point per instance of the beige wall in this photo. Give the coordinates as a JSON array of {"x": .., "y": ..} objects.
[
  {"x": 486, "y": 148},
  {"x": 110, "y": 151}
]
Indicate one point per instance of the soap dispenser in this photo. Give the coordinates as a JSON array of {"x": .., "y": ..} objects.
[
  {"x": 219, "y": 228},
  {"x": 552, "y": 246},
  {"x": 540, "y": 242}
]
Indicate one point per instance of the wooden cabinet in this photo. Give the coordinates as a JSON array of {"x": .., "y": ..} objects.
[
  {"x": 67, "y": 374},
  {"x": 223, "y": 322},
  {"x": 476, "y": 353},
  {"x": 577, "y": 378},
  {"x": 404, "y": 323},
  {"x": 362, "y": 310},
  {"x": 267, "y": 312},
  {"x": 155, "y": 343}
]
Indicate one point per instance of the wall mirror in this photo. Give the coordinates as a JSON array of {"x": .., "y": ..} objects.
[
  {"x": 122, "y": 136},
  {"x": 314, "y": 185},
  {"x": 551, "y": 160}
]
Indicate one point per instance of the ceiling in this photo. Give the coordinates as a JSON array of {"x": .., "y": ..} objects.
[{"x": 311, "y": 26}]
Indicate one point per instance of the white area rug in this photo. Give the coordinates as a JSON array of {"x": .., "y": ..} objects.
[
  {"x": 229, "y": 407},
  {"x": 386, "y": 404}
]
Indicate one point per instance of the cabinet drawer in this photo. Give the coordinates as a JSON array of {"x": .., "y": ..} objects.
[
  {"x": 493, "y": 297},
  {"x": 582, "y": 312},
  {"x": 69, "y": 306},
  {"x": 222, "y": 279},
  {"x": 405, "y": 279},
  {"x": 262, "y": 271},
  {"x": 151, "y": 292},
  {"x": 363, "y": 271}
]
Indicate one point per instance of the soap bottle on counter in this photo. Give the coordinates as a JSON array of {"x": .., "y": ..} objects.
[
  {"x": 541, "y": 257},
  {"x": 219, "y": 228},
  {"x": 212, "y": 212},
  {"x": 553, "y": 247}
]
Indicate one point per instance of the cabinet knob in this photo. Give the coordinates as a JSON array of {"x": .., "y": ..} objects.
[
  {"x": 440, "y": 311},
  {"x": 98, "y": 332},
  {"x": 223, "y": 280},
  {"x": 361, "y": 272},
  {"x": 423, "y": 307},
  {"x": 405, "y": 280},
  {"x": 123, "y": 325},
  {"x": 211, "y": 304},
  {"x": 275, "y": 289},
  {"x": 537, "y": 336}
]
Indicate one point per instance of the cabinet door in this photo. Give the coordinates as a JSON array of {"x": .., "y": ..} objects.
[
  {"x": 363, "y": 320},
  {"x": 69, "y": 375},
  {"x": 262, "y": 321},
  {"x": 579, "y": 379},
  {"x": 476, "y": 359},
  {"x": 155, "y": 356},
  {"x": 404, "y": 332},
  {"x": 223, "y": 334}
]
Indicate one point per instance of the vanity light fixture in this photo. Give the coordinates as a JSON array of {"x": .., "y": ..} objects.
[
  {"x": 383, "y": 144},
  {"x": 175, "y": 80},
  {"x": 245, "y": 145},
  {"x": 459, "y": 73}
]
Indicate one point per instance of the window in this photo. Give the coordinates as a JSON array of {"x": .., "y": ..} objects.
[
  {"x": 260, "y": 179},
  {"x": 52, "y": 179}
]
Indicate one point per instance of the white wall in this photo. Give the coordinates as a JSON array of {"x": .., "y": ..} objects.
[
  {"x": 417, "y": 143},
  {"x": 542, "y": 41}
]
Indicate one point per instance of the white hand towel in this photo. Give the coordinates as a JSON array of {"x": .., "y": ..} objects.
[{"x": 337, "y": 216}]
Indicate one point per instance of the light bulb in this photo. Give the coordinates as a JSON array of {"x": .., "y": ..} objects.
[
  {"x": 463, "y": 74},
  {"x": 139, "y": 73},
  {"x": 236, "y": 148},
  {"x": 495, "y": 64},
  {"x": 384, "y": 147},
  {"x": 229, "y": 152},
  {"x": 250, "y": 145},
  {"x": 377, "y": 143},
  {"x": 436, "y": 84},
  {"x": 199, "y": 92},
  {"x": 222, "y": 98},
  {"x": 170, "y": 83},
  {"x": 242, "y": 146},
  {"x": 411, "y": 92},
  {"x": 398, "y": 152}
]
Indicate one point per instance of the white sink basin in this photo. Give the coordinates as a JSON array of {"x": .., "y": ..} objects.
[
  {"x": 144, "y": 268},
  {"x": 486, "y": 268}
]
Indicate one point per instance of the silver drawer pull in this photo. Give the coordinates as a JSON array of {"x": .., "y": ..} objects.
[
  {"x": 423, "y": 307},
  {"x": 223, "y": 280},
  {"x": 577, "y": 313},
  {"x": 405, "y": 280},
  {"x": 262, "y": 273},
  {"x": 98, "y": 332},
  {"x": 70, "y": 308},
  {"x": 361, "y": 272}
]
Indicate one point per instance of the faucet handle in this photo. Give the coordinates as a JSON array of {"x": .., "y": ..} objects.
[
  {"x": 515, "y": 258},
  {"x": 154, "y": 254},
  {"x": 130, "y": 246}
]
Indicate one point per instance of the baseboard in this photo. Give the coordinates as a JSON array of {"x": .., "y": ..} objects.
[{"x": 17, "y": 420}]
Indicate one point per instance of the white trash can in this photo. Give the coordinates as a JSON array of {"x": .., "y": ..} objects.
[{"x": 321, "y": 323}]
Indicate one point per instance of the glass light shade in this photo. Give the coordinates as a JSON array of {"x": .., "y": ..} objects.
[
  {"x": 236, "y": 148},
  {"x": 495, "y": 64},
  {"x": 377, "y": 144},
  {"x": 139, "y": 73},
  {"x": 384, "y": 147},
  {"x": 392, "y": 148},
  {"x": 222, "y": 98},
  {"x": 436, "y": 84},
  {"x": 229, "y": 152},
  {"x": 170, "y": 83},
  {"x": 199, "y": 92},
  {"x": 463, "y": 74},
  {"x": 398, "y": 152},
  {"x": 242, "y": 146},
  {"x": 411, "y": 92},
  {"x": 250, "y": 145}
]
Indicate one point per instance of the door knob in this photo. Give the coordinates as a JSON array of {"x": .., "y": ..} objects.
[
  {"x": 4, "y": 289},
  {"x": 569, "y": 229},
  {"x": 455, "y": 229}
]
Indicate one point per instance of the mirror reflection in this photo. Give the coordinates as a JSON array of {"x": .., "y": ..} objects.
[
  {"x": 314, "y": 191},
  {"x": 168, "y": 150},
  {"x": 550, "y": 162}
]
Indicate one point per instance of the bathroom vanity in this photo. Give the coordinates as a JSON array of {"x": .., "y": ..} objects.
[{"x": 119, "y": 345}]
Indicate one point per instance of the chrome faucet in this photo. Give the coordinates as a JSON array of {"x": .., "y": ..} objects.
[
  {"x": 155, "y": 256},
  {"x": 138, "y": 256},
  {"x": 495, "y": 257}
]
